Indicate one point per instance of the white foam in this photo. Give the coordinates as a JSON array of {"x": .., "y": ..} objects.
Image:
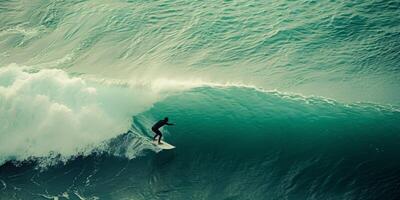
[{"x": 47, "y": 113}]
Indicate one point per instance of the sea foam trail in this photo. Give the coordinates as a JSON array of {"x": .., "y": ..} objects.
[{"x": 47, "y": 113}]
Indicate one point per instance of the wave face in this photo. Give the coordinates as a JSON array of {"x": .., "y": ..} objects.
[
  {"x": 271, "y": 100},
  {"x": 235, "y": 143}
]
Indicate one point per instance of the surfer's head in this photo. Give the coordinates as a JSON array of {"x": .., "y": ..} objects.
[{"x": 166, "y": 119}]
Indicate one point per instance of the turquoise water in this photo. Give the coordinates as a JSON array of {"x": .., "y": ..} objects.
[{"x": 271, "y": 99}]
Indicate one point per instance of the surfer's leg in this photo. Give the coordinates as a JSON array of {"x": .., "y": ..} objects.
[
  {"x": 158, "y": 133},
  {"x": 159, "y": 138}
]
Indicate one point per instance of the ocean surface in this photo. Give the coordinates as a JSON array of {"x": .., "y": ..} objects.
[{"x": 271, "y": 99}]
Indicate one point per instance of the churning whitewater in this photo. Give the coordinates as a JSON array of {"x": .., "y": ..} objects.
[{"x": 270, "y": 99}]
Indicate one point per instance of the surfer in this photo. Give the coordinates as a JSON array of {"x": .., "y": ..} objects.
[{"x": 158, "y": 125}]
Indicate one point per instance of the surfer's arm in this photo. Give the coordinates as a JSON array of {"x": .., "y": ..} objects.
[{"x": 169, "y": 124}]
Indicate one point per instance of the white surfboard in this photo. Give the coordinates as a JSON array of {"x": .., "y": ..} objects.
[{"x": 164, "y": 145}]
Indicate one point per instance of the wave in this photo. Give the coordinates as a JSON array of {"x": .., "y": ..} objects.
[
  {"x": 240, "y": 141},
  {"x": 46, "y": 112}
]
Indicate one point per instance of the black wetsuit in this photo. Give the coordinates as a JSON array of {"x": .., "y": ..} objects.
[{"x": 158, "y": 125}]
